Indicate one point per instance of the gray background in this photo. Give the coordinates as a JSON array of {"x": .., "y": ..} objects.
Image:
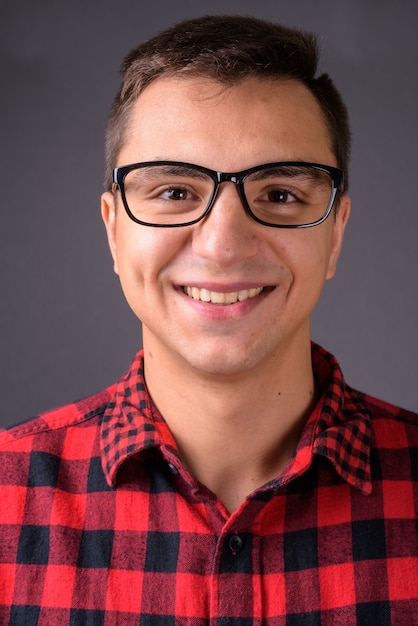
[{"x": 65, "y": 329}]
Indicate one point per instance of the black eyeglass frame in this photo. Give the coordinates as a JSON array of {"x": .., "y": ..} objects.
[{"x": 238, "y": 178}]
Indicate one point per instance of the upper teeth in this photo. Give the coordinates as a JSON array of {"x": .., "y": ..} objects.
[{"x": 217, "y": 297}]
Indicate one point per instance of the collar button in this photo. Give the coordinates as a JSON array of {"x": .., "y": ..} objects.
[{"x": 173, "y": 469}]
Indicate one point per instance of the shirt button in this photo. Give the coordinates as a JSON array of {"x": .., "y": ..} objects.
[
  {"x": 173, "y": 469},
  {"x": 235, "y": 543}
]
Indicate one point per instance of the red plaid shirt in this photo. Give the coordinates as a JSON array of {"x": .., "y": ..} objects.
[{"x": 101, "y": 524}]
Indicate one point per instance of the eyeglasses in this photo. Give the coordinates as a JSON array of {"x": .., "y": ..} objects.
[{"x": 167, "y": 194}]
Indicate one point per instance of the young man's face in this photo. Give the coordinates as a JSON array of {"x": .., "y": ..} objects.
[{"x": 198, "y": 121}]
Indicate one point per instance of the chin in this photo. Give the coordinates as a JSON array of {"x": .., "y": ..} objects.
[{"x": 224, "y": 362}]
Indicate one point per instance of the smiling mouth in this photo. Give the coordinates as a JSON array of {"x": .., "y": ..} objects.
[{"x": 217, "y": 297}]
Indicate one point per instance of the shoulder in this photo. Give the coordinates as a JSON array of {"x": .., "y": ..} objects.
[
  {"x": 393, "y": 428},
  {"x": 381, "y": 410},
  {"x": 59, "y": 448},
  {"x": 53, "y": 425}
]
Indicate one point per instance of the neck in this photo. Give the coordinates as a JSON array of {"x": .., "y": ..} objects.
[{"x": 234, "y": 433}]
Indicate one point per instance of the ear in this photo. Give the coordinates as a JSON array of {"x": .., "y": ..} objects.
[
  {"x": 340, "y": 222},
  {"x": 108, "y": 209}
]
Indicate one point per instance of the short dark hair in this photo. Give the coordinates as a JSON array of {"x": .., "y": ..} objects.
[{"x": 227, "y": 49}]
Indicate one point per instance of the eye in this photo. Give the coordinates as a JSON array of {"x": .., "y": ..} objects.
[
  {"x": 176, "y": 193},
  {"x": 280, "y": 196}
]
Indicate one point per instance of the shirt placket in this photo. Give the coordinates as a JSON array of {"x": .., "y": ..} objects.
[{"x": 237, "y": 586}]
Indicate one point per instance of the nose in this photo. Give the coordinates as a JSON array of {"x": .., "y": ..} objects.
[{"x": 227, "y": 235}]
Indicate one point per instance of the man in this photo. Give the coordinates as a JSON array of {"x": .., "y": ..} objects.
[{"x": 231, "y": 477}]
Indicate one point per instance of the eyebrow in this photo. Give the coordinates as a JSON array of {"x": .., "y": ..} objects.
[
  {"x": 308, "y": 172},
  {"x": 154, "y": 171}
]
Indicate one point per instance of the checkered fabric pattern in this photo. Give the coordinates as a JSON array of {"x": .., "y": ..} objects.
[{"x": 101, "y": 524}]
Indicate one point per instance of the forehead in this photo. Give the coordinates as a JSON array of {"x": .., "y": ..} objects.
[{"x": 255, "y": 120}]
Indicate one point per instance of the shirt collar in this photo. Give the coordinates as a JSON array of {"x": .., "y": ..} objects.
[
  {"x": 131, "y": 423},
  {"x": 338, "y": 429}
]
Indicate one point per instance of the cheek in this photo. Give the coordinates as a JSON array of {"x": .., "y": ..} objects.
[
  {"x": 142, "y": 253},
  {"x": 309, "y": 258}
]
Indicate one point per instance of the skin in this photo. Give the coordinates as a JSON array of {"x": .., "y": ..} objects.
[{"x": 235, "y": 382}]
